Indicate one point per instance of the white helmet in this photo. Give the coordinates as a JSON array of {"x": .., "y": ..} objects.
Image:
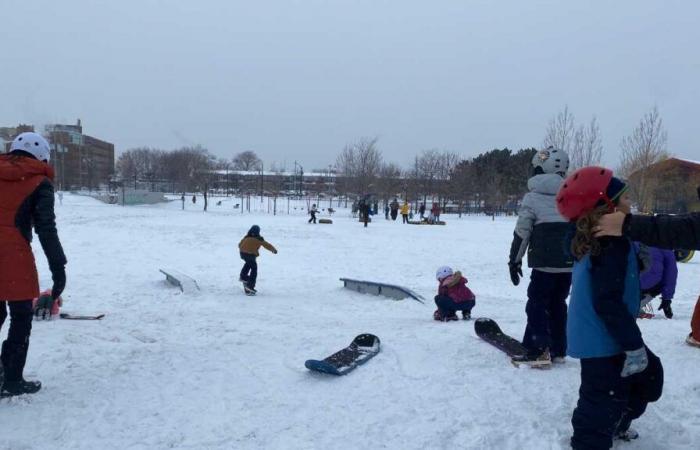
[
  {"x": 443, "y": 272},
  {"x": 551, "y": 160},
  {"x": 32, "y": 143}
]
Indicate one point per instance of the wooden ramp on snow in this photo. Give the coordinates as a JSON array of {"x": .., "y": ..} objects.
[
  {"x": 376, "y": 288},
  {"x": 186, "y": 283}
]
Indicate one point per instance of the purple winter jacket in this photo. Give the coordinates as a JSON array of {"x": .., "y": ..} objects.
[{"x": 663, "y": 270}]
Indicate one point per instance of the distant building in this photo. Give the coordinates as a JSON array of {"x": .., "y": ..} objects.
[
  {"x": 80, "y": 161},
  {"x": 672, "y": 186}
]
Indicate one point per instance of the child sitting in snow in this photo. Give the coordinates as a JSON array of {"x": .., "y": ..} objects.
[{"x": 453, "y": 295}]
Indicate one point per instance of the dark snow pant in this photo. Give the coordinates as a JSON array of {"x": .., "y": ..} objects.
[
  {"x": 313, "y": 218},
  {"x": 14, "y": 349},
  {"x": 546, "y": 312},
  {"x": 249, "y": 272},
  {"x": 608, "y": 403},
  {"x": 449, "y": 307},
  {"x": 394, "y": 215},
  {"x": 405, "y": 218},
  {"x": 653, "y": 291}
]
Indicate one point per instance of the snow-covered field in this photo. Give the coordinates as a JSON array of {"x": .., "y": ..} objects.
[{"x": 220, "y": 370}]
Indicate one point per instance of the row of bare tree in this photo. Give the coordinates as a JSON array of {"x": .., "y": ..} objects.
[{"x": 496, "y": 178}]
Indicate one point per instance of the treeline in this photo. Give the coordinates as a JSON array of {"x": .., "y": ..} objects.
[{"x": 494, "y": 179}]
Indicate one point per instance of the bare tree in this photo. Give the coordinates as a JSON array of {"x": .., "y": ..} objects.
[
  {"x": 560, "y": 131},
  {"x": 360, "y": 163},
  {"x": 644, "y": 148},
  {"x": 586, "y": 147},
  {"x": 247, "y": 161}
]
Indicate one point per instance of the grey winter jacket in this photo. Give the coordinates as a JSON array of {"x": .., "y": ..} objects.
[{"x": 540, "y": 230}]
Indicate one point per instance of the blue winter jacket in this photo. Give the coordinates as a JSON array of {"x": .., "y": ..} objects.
[{"x": 604, "y": 302}]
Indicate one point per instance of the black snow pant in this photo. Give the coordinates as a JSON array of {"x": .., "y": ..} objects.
[
  {"x": 249, "y": 272},
  {"x": 313, "y": 218},
  {"x": 608, "y": 403},
  {"x": 653, "y": 291},
  {"x": 14, "y": 349},
  {"x": 546, "y": 312},
  {"x": 405, "y": 218},
  {"x": 394, "y": 214},
  {"x": 449, "y": 307}
]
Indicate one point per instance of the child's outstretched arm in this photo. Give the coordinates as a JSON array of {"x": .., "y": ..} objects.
[
  {"x": 269, "y": 246},
  {"x": 608, "y": 272}
]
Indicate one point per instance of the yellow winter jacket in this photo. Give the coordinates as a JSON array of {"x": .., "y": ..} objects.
[
  {"x": 405, "y": 209},
  {"x": 251, "y": 245}
]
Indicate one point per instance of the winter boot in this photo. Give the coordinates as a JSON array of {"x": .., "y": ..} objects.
[
  {"x": 249, "y": 290},
  {"x": 646, "y": 312},
  {"x": 12, "y": 388},
  {"x": 690, "y": 341},
  {"x": 539, "y": 360},
  {"x": 437, "y": 315},
  {"x": 466, "y": 315},
  {"x": 558, "y": 359},
  {"x": 627, "y": 435},
  {"x": 13, "y": 357}
]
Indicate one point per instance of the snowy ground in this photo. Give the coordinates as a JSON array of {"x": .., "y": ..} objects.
[{"x": 224, "y": 371}]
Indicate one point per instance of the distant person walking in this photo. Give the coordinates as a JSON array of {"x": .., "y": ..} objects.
[
  {"x": 194, "y": 199},
  {"x": 313, "y": 212},
  {"x": 394, "y": 209},
  {"x": 405, "y": 209},
  {"x": 421, "y": 210}
]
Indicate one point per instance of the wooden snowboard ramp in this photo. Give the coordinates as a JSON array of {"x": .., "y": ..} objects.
[
  {"x": 186, "y": 283},
  {"x": 376, "y": 288}
]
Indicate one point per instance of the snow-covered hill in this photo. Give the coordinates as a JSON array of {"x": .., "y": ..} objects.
[{"x": 220, "y": 370}]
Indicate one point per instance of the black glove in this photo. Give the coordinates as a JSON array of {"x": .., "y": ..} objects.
[
  {"x": 666, "y": 307},
  {"x": 59, "y": 281},
  {"x": 516, "y": 272}
]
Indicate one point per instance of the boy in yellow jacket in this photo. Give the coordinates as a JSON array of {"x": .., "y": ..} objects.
[{"x": 249, "y": 247}]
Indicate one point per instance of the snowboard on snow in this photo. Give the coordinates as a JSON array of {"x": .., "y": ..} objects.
[
  {"x": 75, "y": 317},
  {"x": 489, "y": 331},
  {"x": 363, "y": 348}
]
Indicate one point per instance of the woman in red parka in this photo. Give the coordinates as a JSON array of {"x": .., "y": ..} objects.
[{"x": 26, "y": 201}]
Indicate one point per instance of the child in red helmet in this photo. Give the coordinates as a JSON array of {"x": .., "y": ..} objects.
[{"x": 619, "y": 374}]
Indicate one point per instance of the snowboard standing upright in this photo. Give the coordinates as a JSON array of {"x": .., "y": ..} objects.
[
  {"x": 363, "y": 348},
  {"x": 489, "y": 331}
]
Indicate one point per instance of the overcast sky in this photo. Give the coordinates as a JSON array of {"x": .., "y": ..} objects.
[{"x": 300, "y": 79}]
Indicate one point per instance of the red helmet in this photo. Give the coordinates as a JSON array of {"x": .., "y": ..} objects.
[{"x": 582, "y": 190}]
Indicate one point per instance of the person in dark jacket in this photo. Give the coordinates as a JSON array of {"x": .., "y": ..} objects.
[
  {"x": 313, "y": 211},
  {"x": 394, "y": 206},
  {"x": 620, "y": 375},
  {"x": 365, "y": 209},
  {"x": 26, "y": 201},
  {"x": 659, "y": 277},
  {"x": 249, "y": 248},
  {"x": 541, "y": 232},
  {"x": 681, "y": 231},
  {"x": 421, "y": 210}
]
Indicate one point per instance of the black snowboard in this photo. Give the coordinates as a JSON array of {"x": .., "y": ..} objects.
[
  {"x": 360, "y": 350},
  {"x": 489, "y": 331},
  {"x": 74, "y": 317}
]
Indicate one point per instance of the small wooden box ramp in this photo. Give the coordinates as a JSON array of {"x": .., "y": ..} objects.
[
  {"x": 186, "y": 283},
  {"x": 383, "y": 289}
]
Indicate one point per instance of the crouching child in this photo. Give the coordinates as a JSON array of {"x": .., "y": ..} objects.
[{"x": 453, "y": 295}]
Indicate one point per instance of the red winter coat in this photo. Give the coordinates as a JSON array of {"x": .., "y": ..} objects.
[
  {"x": 26, "y": 199},
  {"x": 455, "y": 287}
]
